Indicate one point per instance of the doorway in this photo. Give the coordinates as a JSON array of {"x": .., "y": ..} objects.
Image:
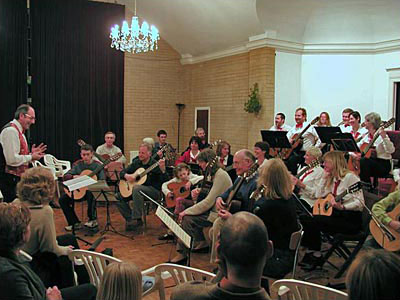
[{"x": 202, "y": 119}]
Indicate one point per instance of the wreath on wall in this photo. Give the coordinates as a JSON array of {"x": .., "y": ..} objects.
[{"x": 253, "y": 104}]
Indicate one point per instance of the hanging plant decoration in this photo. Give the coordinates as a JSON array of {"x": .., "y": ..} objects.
[{"x": 253, "y": 105}]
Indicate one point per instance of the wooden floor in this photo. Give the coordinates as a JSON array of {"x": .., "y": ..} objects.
[{"x": 145, "y": 250}]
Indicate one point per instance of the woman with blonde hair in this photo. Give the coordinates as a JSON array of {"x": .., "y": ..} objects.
[
  {"x": 374, "y": 275},
  {"x": 36, "y": 189},
  {"x": 324, "y": 119},
  {"x": 346, "y": 213},
  {"x": 121, "y": 281},
  {"x": 277, "y": 208},
  {"x": 226, "y": 158}
]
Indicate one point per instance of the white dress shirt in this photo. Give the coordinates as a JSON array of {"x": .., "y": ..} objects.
[
  {"x": 309, "y": 137},
  {"x": 284, "y": 127},
  {"x": 9, "y": 139},
  {"x": 352, "y": 201},
  {"x": 345, "y": 128},
  {"x": 384, "y": 147},
  {"x": 311, "y": 180}
]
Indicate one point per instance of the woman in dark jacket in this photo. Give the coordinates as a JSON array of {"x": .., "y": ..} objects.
[{"x": 17, "y": 280}]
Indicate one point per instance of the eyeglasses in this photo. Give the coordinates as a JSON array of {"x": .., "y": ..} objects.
[{"x": 30, "y": 117}]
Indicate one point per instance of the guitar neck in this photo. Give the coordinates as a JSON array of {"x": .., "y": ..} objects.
[
  {"x": 302, "y": 172},
  {"x": 301, "y": 133},
  {"x": 234, "y": 191},
  {"x": 149, "y": 169}
]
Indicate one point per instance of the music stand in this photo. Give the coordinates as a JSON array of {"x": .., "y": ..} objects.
[
  {"x": 101, "y": 187},
  {"x": 275, "y": 139},
  {"x": 325, "y": 134},
  {"x": 73, "y": 185},
  {"x": 165, "y": 217},
  {"x": 344, "y": 142}
]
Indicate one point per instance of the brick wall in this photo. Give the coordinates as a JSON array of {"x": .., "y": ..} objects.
[{"x": 155, "y": 82}]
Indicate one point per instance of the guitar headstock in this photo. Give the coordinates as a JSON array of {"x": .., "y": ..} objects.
[
  {"x": 215, "y": 143},
  {"x": 354, "y": 187},
  {"x": 113, "y": 158},
  {"x": 251, "y": 172},
  {"x": 316, "y": 119},
  {"x": 388, "y": 123}
]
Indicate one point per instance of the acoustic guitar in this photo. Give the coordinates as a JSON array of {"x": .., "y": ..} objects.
[
  {"x": 323, "y": 206},
  {"x": 207, "y": 182},
  {"x": 233, "y": 206},
  {"x": 296, "y": 140},
  {"x": 80, "y": 193},
  {"x": 366, "y": 148},
  {"x": 386, "y": 236},
  {"x": 140, "y": 176},
  {"x": 178, "y": 190}
]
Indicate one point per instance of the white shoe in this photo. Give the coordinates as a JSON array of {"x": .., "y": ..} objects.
[
  {"x": 77, "y": 226},
  {"x": 91, "y": 224}
]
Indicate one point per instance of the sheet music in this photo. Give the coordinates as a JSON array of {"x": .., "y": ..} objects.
[
  {"x": 1, "y": 197},
  {"x": 175, "y": 228},
  {"x": 79, "y": 182}
]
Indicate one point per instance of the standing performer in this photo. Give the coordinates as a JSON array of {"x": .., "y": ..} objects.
[{"x": 14, "y": 150}]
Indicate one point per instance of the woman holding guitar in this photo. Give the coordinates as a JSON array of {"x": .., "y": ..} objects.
[
  {"x": 375, "y": 162},
  {"x": 339, "y": 186},
  {"x": 357, "y": 130},
  {"x": 277, "y": 209},
  {"x": 203, "y": 213}
]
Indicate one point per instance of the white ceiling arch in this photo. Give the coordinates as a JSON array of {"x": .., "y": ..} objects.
[{"x": 206, "y": 29}]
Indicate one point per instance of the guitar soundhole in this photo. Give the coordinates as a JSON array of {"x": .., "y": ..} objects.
[
  {"x": 326, "y": 206},
  {"x": 137, "y": 178},
  {"x": 182, "y": 189}
]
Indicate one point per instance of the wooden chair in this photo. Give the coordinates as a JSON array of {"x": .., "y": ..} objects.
[
  {"x": 301, "y": 290},
  {"x": 180, "y": 275}
]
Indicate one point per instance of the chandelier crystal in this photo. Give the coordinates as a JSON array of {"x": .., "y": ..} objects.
[{"x": 136, "y": 39}]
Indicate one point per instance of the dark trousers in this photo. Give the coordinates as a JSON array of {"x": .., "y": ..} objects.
[
  {"x": 67, "y": 203},
  {"x": 194, "y": 225},
  {"x": 135, "y": 211},
  {"x": 339, "y": 222},
  {"x": 84, "y": 291},
  {"x": 8, "y": 184},
  {"x": 373, "y": 167}
]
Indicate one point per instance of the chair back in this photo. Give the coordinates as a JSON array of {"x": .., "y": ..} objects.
[
  {"x": 294, "y": 244},
  {"x": 37, "y": 164},
  {"x": 94, "y": 262},
  {"x": 180, "y": 274},
  {"x": 302, "y": 290},
  {"x": 61, "y": 166},
  {"x": 394, "y": 136}
]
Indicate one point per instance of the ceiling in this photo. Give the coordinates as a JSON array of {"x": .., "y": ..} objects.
[{"x": 202, "y": 27}]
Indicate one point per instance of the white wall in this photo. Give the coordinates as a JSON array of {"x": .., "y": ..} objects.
[
  {"x": 332, "y": 82},
  {"x": 287, "y": 84}
]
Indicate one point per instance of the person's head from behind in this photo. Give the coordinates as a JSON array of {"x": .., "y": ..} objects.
[
  {"x": 182, "y": 172},
  {"x": 14, "y": 226},
  {"x": 276, "y": 178},
  {"x": 120, "y": 281},
  {"x": 36, "y": 186},
  {"x": 243, "y": 247},
  {"x": 374, "y": 275}
]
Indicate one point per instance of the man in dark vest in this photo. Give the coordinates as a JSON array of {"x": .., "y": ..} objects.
[{"x": 14, "y": 151}]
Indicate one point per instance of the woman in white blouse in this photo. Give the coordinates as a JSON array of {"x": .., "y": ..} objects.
[
  {"x": 379, "y": 164},
  {"x": 346, "y": 213},
  {"x": 357, "y": 130}
]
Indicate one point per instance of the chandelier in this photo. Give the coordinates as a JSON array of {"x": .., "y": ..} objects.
[{"x": 136, "y": 39}]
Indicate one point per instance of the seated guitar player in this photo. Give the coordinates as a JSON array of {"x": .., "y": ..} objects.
[
  {"x": 379, "y": 164},
  {"x": 186, "y": 180},
  {"x": 131, "y": 207},
  {"x": 204, "y": 212},
  {"x": 190, "y": 155},
  {"x": 345, "y": 203},
  {"x": 307, "y": 179},
  {"x": 382, "y": 210},
  {"x": 109, "y": 149},
  {"x": 244, "y": 163},
  {"x": 66, "y": 203}
]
